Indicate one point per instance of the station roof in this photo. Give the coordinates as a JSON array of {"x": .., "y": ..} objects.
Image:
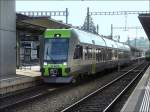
[
  {"x": 23, "y": 26},
  {"x": 48, "y": 23},
  {"x": 38, "y": 25},
  {"x": 145, "y": 21},
  {"x": 27, "y": 27}
]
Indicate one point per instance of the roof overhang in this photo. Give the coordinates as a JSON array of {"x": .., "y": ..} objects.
[
  {"x": 145, "y": 21},
  {"x": 24, "y": 26},
  {"x": 28, "y": 27},
  {"x": 48, "y": 23},
  {"x": 38, "y": 24}
]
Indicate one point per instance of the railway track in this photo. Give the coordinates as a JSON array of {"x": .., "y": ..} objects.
[
  {"x": 34, "y": 93},
  {"x": 105, "y": 97},
  {"x": 26, "y": 95}
]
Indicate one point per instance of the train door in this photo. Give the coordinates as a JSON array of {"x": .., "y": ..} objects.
[{"x": 93, "y": 71}]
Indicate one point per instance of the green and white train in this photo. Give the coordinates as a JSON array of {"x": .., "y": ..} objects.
[{"x": 71, "y": 53}]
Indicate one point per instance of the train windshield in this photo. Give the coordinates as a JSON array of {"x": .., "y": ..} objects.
[{"x": 56, "y": 50}]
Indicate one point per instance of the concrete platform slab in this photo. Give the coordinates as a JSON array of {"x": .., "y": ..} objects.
[
  {"x": 139, "y": 100},
  {"x": 21, "y": 80}
]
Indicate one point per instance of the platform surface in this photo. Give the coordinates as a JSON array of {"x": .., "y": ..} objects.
[
  {"x": 28, "y": 71},
  {"x": 21, "y": 76},
  {"x": 139, "y": 101},
  {"x": 24, "y": 78}
]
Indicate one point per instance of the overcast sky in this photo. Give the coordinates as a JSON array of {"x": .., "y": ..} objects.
[{"x": 77, "y": 13}]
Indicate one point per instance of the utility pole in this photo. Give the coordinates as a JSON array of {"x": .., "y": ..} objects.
[
  {"x": 97, "y": 29},
  {"x": 136, "y": 36},
  {"x": 88, "y": 24},
  {"x": 111, "y": 31},
  {"x": 128, "y": 41},
  {"x": 125, "y": 22},
  {"x": 66, "y": 15}
]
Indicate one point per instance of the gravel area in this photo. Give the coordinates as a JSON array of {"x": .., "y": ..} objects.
[{"x": 57, "y": 101}]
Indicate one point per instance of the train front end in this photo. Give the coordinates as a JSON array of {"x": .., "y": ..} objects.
[{"x": 55, "y": 56}]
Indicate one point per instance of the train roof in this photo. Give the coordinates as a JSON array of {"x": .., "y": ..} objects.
[
  {"x": 110, "y": 43},
  {"x": 127, "y": 47},
  {"x": 86, "y": 37}
]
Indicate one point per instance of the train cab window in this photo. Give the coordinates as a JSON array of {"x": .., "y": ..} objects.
[{"x": 78, "y": 54}]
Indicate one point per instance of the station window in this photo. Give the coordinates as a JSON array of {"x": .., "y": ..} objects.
[{"x": 78, "y": 54}]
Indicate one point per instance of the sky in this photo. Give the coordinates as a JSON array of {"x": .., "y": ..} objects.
[{"x": 78, "y": 9}]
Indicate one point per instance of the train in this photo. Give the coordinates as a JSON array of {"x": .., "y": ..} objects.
[{"x": 71, "y": 53}]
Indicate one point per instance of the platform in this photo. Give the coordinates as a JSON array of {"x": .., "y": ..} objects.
[
  {"x": 139, "y": 101},
  {"x": 23, "y": 78}
]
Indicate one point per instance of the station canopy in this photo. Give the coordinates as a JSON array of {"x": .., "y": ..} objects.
[
  {"x": 38, "y": 25},
  {"x": 48, "y": 23},
  {"x": 145, "y": 21},
  {"x": 24, "y": 26}
]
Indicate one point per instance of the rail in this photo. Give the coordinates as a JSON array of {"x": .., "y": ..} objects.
[{"x": 76, "y": 104}]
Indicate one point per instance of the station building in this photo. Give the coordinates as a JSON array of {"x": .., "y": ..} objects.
[{"x": 28, "y": 34}]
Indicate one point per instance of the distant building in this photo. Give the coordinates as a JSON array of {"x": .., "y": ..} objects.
[{"x": 141, "y": 43}]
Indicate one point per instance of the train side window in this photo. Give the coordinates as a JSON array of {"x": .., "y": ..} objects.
[
  {"x": 86, "y": 53},
  {"x": 78, "y": 54},
  {"x": 89, "y": 53},
  {"x": 97, "y": 55},
  {"x": 105, "y": 54},
  {"x": 100, "y": 55}
]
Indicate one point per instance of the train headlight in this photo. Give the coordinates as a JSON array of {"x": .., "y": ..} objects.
[
  {"x": 45, "y": 63},
  {"x": 65, "y": 63}
]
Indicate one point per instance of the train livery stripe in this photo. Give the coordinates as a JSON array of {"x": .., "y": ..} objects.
[
  {"x": 63, "y": 67},
  {"x": 50, "y": 33},
  {"x": 93, "y": 68},
  {"x": 46, "y": 73}
]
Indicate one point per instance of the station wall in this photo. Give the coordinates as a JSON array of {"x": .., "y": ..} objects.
[{"x": 7, "y": 37}]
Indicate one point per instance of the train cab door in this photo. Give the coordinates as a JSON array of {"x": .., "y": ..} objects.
[{"x": 78, "y": 55}]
